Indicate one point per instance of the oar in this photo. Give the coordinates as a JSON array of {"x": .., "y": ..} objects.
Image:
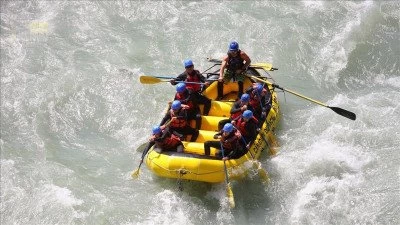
[
  {"x": 337, "y": 110},
  {"x": 135, "y": 173},
  {"x": 161, "y": 77},
  {"x": 229, "y": 192},
  {"x": 155, "y": 80},
  {"x": 151, "y": 80},
  {"x": 261, "y": 172},
  {"x": 261, "y": 65},
  {"x": 273, "y": 145}
]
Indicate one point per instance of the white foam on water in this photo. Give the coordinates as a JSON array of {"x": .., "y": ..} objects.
[
  {"x": 170, "y": 208},
  {"x": 387, "y": 80},
  {"x": 35, "y": 201},
  {"x": 60, "y": 195},
  {"x": 223, "y": 215},
  {"x": 328, "y": 163},
  {"x": 314, "y": 5},
  {"x": 337, "y": 45}
]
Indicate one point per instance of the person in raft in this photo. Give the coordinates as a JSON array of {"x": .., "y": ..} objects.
[
  {"x": 260, "y": 100},
  {"x": 233, "y": 65},
  {"x": 179, "y": 120},
  {"x": 186, "y": 97},
  {"x": 192, "y": 75},
  {"x": 237, "y": 109},
  {"x": 230, "y": 142},
  {"x": 164, "y": 140},
  {"x": 247, "y": 126}
]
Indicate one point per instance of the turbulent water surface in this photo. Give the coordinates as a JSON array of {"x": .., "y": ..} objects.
[{"x": 73, "y": 111}]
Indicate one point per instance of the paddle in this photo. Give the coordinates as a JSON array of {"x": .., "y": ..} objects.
[
  {"x": 262, "y": 65},
  {"x": 340, "y": 111},
  {"x": 228, "y": 185},
  {"x": 261, "y": 172},
  {"x": 155, "y": 80},
  {"x": 274, "y": 144},
  {"x": 161, "y": 77},
  {"x": 135, "y": 174}
]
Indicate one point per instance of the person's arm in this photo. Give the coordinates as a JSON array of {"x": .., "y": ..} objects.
[
  {"x": 218, "y": 135},
  {"x": 251, "y": 129},
  {"x": 237, "y": 108},
  {"x": 180, "y": 77},
  {"x": 223, "y": 66},
  {"x": 249, "y": 90},
  {"x": 149, "y": 145},
  {"x": 182, "y": 115},
  {"x": 166, "y": 118},
  {"x": 246, "y": 58},
  {"x": 200, "y": 76}
]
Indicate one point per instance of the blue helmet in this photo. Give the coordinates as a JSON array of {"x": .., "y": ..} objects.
[
  {"x": 233, "y": 46},
  {"x": 259, "y": 88},
  {"x": 188, "y": 63},
  {"x": 245, "y": 97},
  {"x": 156, "y": 129},
  {"x": 176, "y": 105},
  {"x": 181, "y": 87},
  {"x": 247, "y": 114},
  {"x": 228, "y": 128}
]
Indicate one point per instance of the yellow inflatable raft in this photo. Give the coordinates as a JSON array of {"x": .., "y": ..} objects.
[{"x": 193, "y": 164}]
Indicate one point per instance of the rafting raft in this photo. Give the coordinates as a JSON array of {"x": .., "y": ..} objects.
[{"x": 192, "y": 164}]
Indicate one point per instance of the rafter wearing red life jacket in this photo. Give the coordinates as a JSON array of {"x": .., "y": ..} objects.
[
  {"x": 181, "y": 118},
  {"x": 185, "y": 98}
]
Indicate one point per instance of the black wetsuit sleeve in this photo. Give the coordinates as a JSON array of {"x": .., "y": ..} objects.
[
  {"x": 201, "y": 77},
  {"x": 251, "y": 129},
  {"x": 165, "y": 119},
  {"x": 236, "y": 107},
  {"x": 181, "y": 77},
  {"x": 149, "y": 145}
]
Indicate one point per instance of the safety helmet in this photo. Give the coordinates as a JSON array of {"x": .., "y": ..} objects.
[
  {"x": 247, "y": 114},
  {"x": 181, "y": 87},
  {"x": 259, "y": 88},
  {"x": 245, "y": 97},
  {"x": 156, "y": 129},
  {"x": 188, "y": 63},
  {"x": 228, "y": 128},
  {"x": 176, "y": 105},
  {"x": 233, "y": 46}
]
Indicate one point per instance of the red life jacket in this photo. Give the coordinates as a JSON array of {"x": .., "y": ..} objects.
[
  {"x": 194, "y": 77},
  {"x": 184, "y": 96},
  {"x": 168, "y": 142},
  {"x": 232, "y": 141},
  {"x": 179, "y": 122},
  {"x": 241, "y": 124},
  {"x": 254, "y": 100},
  {"x": 237, "y": 114}
]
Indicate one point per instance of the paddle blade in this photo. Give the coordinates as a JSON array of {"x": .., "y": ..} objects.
[
  {"x": 263, "y": 174},
  {"x": 265, "y": 66},
  {"x": 149, "y": 80},
  {"x": 273, "y": 143},
  {"x": 344, "y": 112},
  {"x": 135, "y": 174},
  {"x": 229, "y": 193}
]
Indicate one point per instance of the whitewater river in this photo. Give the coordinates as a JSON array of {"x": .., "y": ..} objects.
[{"x": 73, "y": 111}]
